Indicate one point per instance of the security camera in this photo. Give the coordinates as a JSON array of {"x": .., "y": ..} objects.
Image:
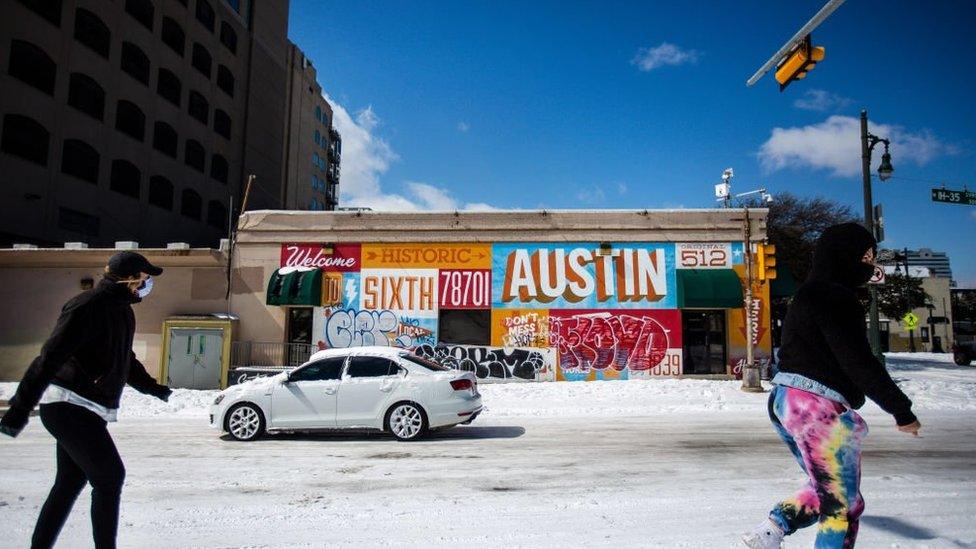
[
  {"x": 726, "y": 175},
  {"x": 767, "y": 198}
]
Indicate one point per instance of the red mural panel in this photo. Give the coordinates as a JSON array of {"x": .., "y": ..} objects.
[
  {"x": 342, "y": 257},
  {"x": 635, "y": 340},
  {"x": 465, "y": 289}
]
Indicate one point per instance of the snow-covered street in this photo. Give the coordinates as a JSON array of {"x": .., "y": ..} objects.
[{"x": 669, "y": 463}]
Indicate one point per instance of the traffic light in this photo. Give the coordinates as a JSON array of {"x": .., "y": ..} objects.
[
  {"x": 766, "y": 264},
  {"x": 798, "y": 62}
]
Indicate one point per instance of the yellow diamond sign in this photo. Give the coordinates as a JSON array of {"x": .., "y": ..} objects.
[{"x": 910, "y": 321}]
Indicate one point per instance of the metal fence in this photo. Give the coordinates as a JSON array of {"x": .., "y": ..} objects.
[{"x": 253, "y": 353}]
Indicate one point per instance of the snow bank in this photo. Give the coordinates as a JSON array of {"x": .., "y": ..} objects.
[{"x": 931, "y": 380}]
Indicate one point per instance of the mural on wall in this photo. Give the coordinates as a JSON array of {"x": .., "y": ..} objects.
[
  {"x": 556, "y": 275},
  {"x": 494, "y": 362},
  {"x": 520, "y": 327},
  {"x": 567, "y": 311},
  {"x": 761, "y": 334},
  {"x": 614, "y": 344}
]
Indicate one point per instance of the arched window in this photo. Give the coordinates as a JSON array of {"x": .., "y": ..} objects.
[
  {"x": 125, "y": 178},
  {"x": 161, "y": 192},
  {"x": 168, "y": 86},
  {"x": 199, "y": 108},
  {"x": 130, "y": 120},
  {"x": 92, "y": 32},
  {"x": 315, "y": 160},
  {"x": 86, "y": 95},
  {"x": 79, "y": 159},
  {"x": 202, "y": 61},
  {"x": 222, "y": 123},
  {"x": 225, "y": 80},
  {"x": 318, "y": 113},
  {"x": 142, "y": 11},
  {"x": 317, "y": 137},
  {"x": 31, "y": 65},
  {"x": 205, "y": 14},
  {"x": 190, "y": 204},
  {"x": 48, "y": 9},
  {"x": 173, "y": 36},
  {"x": 165, "y": 139},
  {"x": 135, "y": 63},
  {"x": 194, "y": 155},
  {"x": 216, "y": 214},
  {"x": 228, "y": 37},
  {"x": 25, "y": 137},
  {"x": 219, "y": 169}
]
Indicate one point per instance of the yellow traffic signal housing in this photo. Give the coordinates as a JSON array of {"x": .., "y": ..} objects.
[
  {"x": 798, "y": 62},
  {"x": 766, "y": 256}
]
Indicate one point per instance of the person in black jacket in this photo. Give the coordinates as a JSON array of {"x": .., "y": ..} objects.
[
  {"x": 78, "y": 380},
  {"x": 826, "y": 369}
]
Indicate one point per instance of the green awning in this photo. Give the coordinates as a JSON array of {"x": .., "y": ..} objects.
[
  {"x": 295, "y": 288},
  {"x": 709, "y": 289},
  {"x": 307, "y": 289},
  {"x": 784, "y": 285}
]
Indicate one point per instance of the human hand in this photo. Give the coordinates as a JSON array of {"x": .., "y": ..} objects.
[{"x": 910, "y": 428}]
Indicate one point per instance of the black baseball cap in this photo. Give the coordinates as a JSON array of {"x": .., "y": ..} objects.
[{"x": 130, "y": 264}]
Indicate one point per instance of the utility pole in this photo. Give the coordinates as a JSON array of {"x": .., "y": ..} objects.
[
  {"x": 750, "y": 373},
  {"x": 868, "y": 142}
]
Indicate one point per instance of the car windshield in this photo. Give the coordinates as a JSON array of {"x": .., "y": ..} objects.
[{"x": 426, "y": 363}]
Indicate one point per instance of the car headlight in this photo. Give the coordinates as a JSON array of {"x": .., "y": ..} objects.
[{"x": 219, "y": 399}]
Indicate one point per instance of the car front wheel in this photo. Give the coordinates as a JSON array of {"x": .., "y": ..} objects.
[
  {"x": 961, "y": 358},
  {"x": 245, "y": 422},
  {"x": 406, "y": 421}
]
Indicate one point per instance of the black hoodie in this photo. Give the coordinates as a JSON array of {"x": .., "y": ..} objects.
[
  {"x": 89, "y": 352},
  {"x": 824, "y": 335}
]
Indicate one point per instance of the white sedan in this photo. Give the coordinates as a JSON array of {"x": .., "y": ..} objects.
[{"x": 384, "y": 388}]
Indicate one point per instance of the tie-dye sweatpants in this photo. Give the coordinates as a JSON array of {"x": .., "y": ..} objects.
[{"x": 825, "y": 438}]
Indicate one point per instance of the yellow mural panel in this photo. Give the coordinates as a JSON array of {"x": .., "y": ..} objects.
[
  {"x": 736, "y": 327},
  {"x": 426, "y": 255},
  {"x": 520, "y": 327}
]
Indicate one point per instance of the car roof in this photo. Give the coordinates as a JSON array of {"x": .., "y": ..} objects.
[{"x": 370, "y": 350}]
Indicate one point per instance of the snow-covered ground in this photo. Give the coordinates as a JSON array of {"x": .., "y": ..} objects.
[{"x": 664, "y": 463}]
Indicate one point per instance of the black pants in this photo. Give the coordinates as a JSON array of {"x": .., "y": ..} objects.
[{"x": 85, "y": 453}]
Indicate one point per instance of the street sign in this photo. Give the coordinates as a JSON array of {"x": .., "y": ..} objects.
[
  {"x": 878, "y": 277},
  {"x": 910, "y": 321},
  {"x": 950, "y": 196}
]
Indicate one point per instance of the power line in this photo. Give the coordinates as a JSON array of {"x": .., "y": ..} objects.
[{"x": 941, "y": 182}]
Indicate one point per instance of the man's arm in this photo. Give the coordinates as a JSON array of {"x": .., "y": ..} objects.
[
  {"x": 73, "y": 329},
  {"x": 140, "y": 380}
]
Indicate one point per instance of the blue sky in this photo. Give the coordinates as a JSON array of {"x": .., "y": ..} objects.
[{"x": 632, "y": 105}]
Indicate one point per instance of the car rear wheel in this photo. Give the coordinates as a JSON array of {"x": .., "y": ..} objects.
[
  {"x": 406, "y": 421},
  {"x": 245, "y": 422}
]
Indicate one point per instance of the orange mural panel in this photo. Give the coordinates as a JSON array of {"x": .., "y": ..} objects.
[
  {"x": 761, "y": 332},
  {"x": 426, "y": 256},
  {"x": 520, "y": 327}
]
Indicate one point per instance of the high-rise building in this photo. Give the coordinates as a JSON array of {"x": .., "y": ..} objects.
[
  {"x": 138, "y": 119},
  {"x": 937, "y": 262},
  {"x": 313, "y": 147}
]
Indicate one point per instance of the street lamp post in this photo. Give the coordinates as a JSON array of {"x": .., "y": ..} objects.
[{"x": 868, "y": 142}]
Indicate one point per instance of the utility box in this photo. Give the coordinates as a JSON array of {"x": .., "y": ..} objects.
[{"x": 196, "y": 351}]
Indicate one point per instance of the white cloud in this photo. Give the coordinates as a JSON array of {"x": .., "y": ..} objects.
[
  {"x": 366, "y": 157},
  {"x": 588, "y": 195},
  {"x": 835, "y": 145},
  {"x": 621, "y": 188},
  {"x": 648, "y": 59},
  {"x": 463, "y": 127},
  {"x": 821, "y": 100}
]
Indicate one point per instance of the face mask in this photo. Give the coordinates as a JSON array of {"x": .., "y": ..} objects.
[{"x": 146, "y": 287}]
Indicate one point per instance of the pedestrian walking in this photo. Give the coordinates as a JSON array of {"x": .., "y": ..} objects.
[
  {"x": 826, "y": 368},
  {"x": 78, "y": 380}
]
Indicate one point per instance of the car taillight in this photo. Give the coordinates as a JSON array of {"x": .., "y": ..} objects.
[{"x": 462, "y": 384}]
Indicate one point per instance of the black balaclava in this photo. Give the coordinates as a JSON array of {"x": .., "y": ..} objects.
[{"x": 837, "y": 257}]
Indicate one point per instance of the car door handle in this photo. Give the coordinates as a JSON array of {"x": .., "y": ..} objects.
[
  {"x": 386, "y": 389},
  {"x": 330, "y": 391}
]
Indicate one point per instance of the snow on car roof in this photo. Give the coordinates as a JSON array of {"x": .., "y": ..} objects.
[{"x": 373, "y": 350}]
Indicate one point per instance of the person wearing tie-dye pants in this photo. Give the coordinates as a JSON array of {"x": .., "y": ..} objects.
[
  {"x": 825, "y": 438},
  {"x": 826, "y": 369}
]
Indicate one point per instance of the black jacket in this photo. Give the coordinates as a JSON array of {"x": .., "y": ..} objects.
[
  {"x": 824, "y": 336},
  {"x": 89, "y": 353}
]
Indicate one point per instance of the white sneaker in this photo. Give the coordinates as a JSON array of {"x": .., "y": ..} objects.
[{"x": 765, "y": 536}]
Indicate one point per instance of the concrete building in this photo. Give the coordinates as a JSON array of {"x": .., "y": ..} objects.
[
  {"x": 934, "y": 332},
  {"x": 541, "y": 295},
  {"x": 138, "y": 120},
  {"x": 313, "y": 147}
]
